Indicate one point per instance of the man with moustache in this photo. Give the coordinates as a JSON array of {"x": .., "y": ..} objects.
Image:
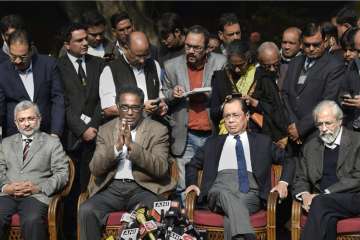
[
  {"x": 228, "y": 31},
  {"x": 34, "y": 77},
  {"x": 33, "y": 167},
  {"x": 131, "y": 164},
  {"x": 190, "y": 123},
  {"x": 328, "y": 173}
]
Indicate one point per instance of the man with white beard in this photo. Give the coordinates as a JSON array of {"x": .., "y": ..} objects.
[{"x": 329, "y": 166}]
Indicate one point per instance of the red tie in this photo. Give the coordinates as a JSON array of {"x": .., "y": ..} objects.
[{"x": 26, "y": 148}]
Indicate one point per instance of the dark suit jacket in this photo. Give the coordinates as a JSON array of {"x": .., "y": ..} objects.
[
  {"x": 80, "y": 100},
  {"x": 310, "y": 165},
  {"x": 48, "y": 94},
  {"x": 207, "y": 159},
  {"x": 3, "y": 56},
  {"x": 323, "y": 82}
]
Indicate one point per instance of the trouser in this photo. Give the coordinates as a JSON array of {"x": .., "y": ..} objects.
[
  {"x": 325, "y": 211},
  {"x": 117, "y": 196},
  {"x": 33, "y": 216},
  {"x": 224, "y": 196}
]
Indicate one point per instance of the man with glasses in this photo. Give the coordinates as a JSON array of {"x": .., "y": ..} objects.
[
  {"x": 190, "y": 123},
  {"x": 236, "y": 177},
  {"x": 33, "y": 77},
  {"x": 328, "y": 171},
  {"x": 130, "y": 163},
  {"x": 310, "y": 78},
  {"x": 134, "y": 67},
  {"x": 33, "y": 167}
]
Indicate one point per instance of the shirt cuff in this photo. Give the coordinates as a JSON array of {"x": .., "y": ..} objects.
[
  {"x": 298, "y": 196},
  {"x": 287, "y": 184}
]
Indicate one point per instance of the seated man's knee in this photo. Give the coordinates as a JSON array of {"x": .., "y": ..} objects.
[
  {"x": 33, "y": 218},
  {"x": 86, "y": 209}
]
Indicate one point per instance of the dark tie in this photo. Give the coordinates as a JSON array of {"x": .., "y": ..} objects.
[
  {"x": 81, "y": 72},
  {"x": 308, "y": 64},
  {"x": 242, "y": 171},
  {"x": 26, "y": 147}
]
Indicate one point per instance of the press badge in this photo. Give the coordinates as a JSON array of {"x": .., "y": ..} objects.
[{"x": 302, "y": 79}]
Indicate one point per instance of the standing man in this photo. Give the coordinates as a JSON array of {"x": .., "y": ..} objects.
[
  {"x": 228, "y": 30},
  {"x": 290, "y": 48},
  {"x": 122, "y": 25},
  {"x": 135, "y": 67},
  {"x": 131, "y": 164},
  {"x": 171, "y": 31},
  {"x": 328, "y": 171},
  {"x": 311, "y": 78},
  {"x": 80, "y": 73},
  {"x": 191, "y": 123},
  {"x": 346, "y": 18},
  {"x": 33, "y": 167},
  {"x": 236, "y": 177},
  {"x": 33, "y": 77},
  {"x": 8, "y": 25}
]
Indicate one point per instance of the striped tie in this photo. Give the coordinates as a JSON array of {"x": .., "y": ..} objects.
[{"x": 26, "y": 148}]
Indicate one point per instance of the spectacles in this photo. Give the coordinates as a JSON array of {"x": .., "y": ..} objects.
[
  {"x": 28, "y": 119},
  {"x": 135, "y": 108},
  {"x": 327, "y": 124},
  {"x": 315, "y": 45},
  {"x": 196, "y": 48},
  {"x": 23, "y": 58},
  {"x": 270, "y": 66},
  {"x": 227, "y": 117}
]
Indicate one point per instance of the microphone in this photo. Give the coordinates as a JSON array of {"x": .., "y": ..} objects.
[
  {"x": 140, "y": 217},
  {"x": 129, "y": 234},
  {"x": 171, "y": 217},
  {"x": 162, "y": 206}
]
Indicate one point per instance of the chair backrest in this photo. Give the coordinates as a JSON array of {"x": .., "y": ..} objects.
[{"x": 70, "y": 181}]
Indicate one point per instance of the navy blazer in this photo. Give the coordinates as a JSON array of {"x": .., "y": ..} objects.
[
  {"x": 262, "y": 153},
  {"x": 48, "y": 95}
]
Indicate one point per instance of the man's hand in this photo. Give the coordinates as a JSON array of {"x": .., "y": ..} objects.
[
  {"x": 250, "y": 101},
  {"x": 163, "y": 108},
  {"x": 121, "y": 140},
  {"x": 281, "y": 188},
  {"x": 352, "y": 102},
  {"x": 178, "y": 91},
  {"x": 192, "y": 188},
  {"x": 30, "y": 188},
  {"x": 89, "y": 134},
  {"x": 10, "y": 188},
  {"x": 150, "y": 106},
  {"x": 293, "y": 132},
  {"x": 127, "y": 136},
  {"x": 307, "y": 199}
]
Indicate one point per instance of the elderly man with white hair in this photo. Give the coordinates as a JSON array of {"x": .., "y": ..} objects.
[{"x": 328, "y": 173}]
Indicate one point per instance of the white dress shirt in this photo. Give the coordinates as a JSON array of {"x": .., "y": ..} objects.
[
  {"x": 99, "y": 51},
  {"x": 27, "y": 78},
  {"x": 75, "y": 64},
  {"x": 107, "y": 90},
  {"x": 228, "y": 158},
  {"x": 124, "y": 169}
]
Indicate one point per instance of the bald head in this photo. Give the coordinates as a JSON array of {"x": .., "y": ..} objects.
[
  {"x": 137, "y": 49},
  {"x": 269, "y": 56},
  {"x": 291, "y": 42}
]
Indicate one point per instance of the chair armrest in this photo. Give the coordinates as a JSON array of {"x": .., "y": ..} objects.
[
  {"x": 54, "y": 215},
  {"x": 271, "y": 208},
  {"x": 190, "y": 203},
  {"x": 295, "y": 220},
  {"x": 70, "y": 181}
]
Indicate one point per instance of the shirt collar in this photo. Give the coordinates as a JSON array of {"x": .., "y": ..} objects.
[
  {"x": 26, "y": 71},
  {"x": 73, "y": 58},
  {"x": 242, "y": 135},
  {"x": 23, "y": 137}
]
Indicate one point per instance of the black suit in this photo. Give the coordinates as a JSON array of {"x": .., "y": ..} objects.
[
  {"x": 3, "y": 56},
  {"x": 80, "y": 100},
  {"x": 322, "y": 82},
  {"x": 207, "y": 159},
  {"x": 48, "y": 94}
]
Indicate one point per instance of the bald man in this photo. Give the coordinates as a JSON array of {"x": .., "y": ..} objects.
[
  {"x": 290, "y": 48},
  {"x": 134, "y": 67}
]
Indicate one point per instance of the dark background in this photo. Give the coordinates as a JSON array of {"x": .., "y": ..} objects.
[{"x": 45, "y": 19}]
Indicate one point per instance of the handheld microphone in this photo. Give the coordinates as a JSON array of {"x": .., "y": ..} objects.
[
  {"x": 140, "y": 217},
  {"x": 129, "y": 234}
]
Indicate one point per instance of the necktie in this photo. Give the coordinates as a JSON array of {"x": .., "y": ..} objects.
[
  {"x": 308, "y": 64},
  {"x": 242, "y": 171},
  {"x": 81, "y": 72},
  {"x": 26, "y": 147}
]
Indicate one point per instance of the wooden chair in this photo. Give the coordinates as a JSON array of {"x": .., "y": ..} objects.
[
  {"x": 347, "y": 229},
  {"x": 263, "y": 222},
  {"x": 113, "y": 222},
  {"x": 54, "y": 218}
]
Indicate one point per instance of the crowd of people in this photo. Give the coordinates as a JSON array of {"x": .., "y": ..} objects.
[{"x": 125, "y": 111}]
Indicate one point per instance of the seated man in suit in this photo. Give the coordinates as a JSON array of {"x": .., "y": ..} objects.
[
  {"x": 130, "y": 163},
  {"x": 329, "y": 165},
  {"x": 33, "y": 166},
  {"x": 236, "y": 172}
]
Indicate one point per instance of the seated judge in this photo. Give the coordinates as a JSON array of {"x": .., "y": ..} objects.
[{"x": 236, "y": 171}]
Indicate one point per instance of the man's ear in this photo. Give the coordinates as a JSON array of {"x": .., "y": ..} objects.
[
  {"x": 66, "y": 45},
  {"x": 247, "y": 116}
]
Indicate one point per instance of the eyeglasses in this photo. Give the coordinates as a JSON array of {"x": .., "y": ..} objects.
[
  {"x": 270, "y": 66},
  {"x": 135, "y": 108},
  {"x": 23, "y": 58},
  {"x": 196, "y": 48},
  {"x": 327, "y": 124},
  {"x": 315, "y": 45},
  {"x": 28, "y": 119},
  {"x": 229, "y": 116}
]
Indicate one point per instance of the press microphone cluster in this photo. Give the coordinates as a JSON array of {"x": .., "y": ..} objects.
[{"x": 165, "y": 221}]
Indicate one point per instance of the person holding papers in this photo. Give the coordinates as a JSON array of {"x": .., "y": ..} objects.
[{"x": 190, "y": 123}]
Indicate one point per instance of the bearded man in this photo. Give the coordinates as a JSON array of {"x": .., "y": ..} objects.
[{"x": 328, "y": 168}]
